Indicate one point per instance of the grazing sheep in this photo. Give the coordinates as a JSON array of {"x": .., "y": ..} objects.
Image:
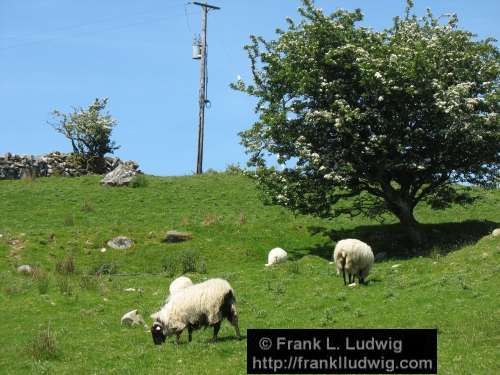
[
  {"x": 180, "y": 283},
  {"x": 354, "y": 257},
  {"x": 276, "y": 255},
  {"x": 201, "y": 305}
]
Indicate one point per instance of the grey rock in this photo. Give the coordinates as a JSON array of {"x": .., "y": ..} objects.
[
  {"x": 120, "y": 176},
  {"x": 25, "y": 269},
  {"x": 175, "y": 236},
  {"x": 380, "y": 256},
  {"x": 120, "y": 243}
]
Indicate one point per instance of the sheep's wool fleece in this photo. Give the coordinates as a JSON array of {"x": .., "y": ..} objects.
[
  {"x": 180, "y": 283},
  {"x": 276, "y": 255},
  {"x": 188, "y": 305},
  {"x": 359, "y": 256}
]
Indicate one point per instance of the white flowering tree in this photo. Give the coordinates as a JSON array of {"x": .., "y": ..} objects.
[
  {"x": 389, "y": 119},
  {"x": 89, "y": 131}
]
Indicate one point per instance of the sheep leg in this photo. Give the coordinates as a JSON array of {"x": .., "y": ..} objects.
[
  {"x": 361, "y": 280},
  {"x": 216, "y": 331},
  {"x": 177, "y": 338},
  {"x": 343, "y": 274},
  {"x": 233, "y": 319},
  {"x": 190, "y": 333}
]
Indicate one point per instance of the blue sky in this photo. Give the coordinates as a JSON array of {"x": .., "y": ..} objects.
[{"x": 55, "y": 54}]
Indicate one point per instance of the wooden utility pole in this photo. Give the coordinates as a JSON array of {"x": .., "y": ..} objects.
[{"x": 203, "y": 80}]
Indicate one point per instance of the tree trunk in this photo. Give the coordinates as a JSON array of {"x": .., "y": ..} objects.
[
  {"x": 402, "y": 207},
  {"x": 411, "y": 226}
]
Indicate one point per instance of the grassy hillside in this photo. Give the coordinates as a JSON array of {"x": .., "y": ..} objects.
[{"x": 53, "y": 223}]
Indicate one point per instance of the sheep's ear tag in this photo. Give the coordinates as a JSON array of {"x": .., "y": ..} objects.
[{"x": 158, "y": 328}]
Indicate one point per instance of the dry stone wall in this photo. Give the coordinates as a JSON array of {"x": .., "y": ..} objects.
[{"x": 54, "y": 163}]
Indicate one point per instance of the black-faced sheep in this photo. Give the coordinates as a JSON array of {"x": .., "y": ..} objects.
[
  {"x": 354, "y": 257},
  {"x": 201, "y": 305}
]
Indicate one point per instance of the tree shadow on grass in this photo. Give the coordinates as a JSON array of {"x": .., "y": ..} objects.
[{"x": 391, "y": 239}]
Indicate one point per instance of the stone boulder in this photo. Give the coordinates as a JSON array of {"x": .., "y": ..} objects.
[
  {"x": 120, "y": 176},
  {"x": 496, "y": 232},
  {"x": 25, "y": 269},
  {"x": 175, "y": 236},
  {"x": 120, "y": 243}
]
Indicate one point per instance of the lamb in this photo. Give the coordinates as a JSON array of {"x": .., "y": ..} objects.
[
  {"x": 200, "y": 305},
  {"x": 354, "y": 257},
  {"x": 180, "y": 283},
  {"x": 276, "y": 255}
]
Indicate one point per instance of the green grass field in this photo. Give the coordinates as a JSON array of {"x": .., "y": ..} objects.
[{"x": 453, "y": 285}]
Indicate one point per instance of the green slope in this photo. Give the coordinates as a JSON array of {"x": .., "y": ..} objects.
[{"x": 453, "y": 286}]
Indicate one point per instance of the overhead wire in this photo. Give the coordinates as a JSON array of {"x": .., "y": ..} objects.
[{"x": 51, "y": 38}]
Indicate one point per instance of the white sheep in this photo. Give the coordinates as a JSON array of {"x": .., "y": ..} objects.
[
  {"x": 180, "y": 283},
  {"x": 276, "y": 255},
  {"x": 201, "y": 305},
  {"x": 354, "y": 257}
]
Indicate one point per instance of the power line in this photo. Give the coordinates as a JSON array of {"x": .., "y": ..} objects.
[
  {"x": 187, "y": 18},
  {"x": 116, "y": 27}
]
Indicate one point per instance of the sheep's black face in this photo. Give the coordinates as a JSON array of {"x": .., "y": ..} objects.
[{"x": 157, "y": 333}]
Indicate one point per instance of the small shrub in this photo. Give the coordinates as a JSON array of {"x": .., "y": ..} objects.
[
  {"x": 463, "y": 284},
  {"x": 66, "y": 266},
  {"x": 43, "y": 346},
  {"x": 69, "y": 220},
  {"x": 87, "y": 206},
  {"x": 42, "y": 280},
  {"x": 188, "y": 260},
  {"x": 88, "y": 282},
  {"x": 202, "y": 265},
  {"x": 138, "y": 181},
  {"x": 242, "y": 219},
  {"x": 233, "y": 169},
  {"x": 169, "y": 265},
  {"x": 211, "y": 219},
  {"x": 89, "y": 130},
  {"x": 328, "y": 317},
  {"x": 106, "y": 269},
  {"x": 65, "y": 287}
]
